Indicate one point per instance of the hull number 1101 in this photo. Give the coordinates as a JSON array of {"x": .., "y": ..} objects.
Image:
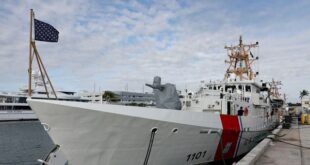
[{"x": 196, "y": 156}]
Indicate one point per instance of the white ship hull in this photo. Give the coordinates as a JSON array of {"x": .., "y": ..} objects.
[{"x": 116, "y": 135}]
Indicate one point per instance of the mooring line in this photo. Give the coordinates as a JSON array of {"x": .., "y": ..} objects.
[{"x": 149, "y": 149}]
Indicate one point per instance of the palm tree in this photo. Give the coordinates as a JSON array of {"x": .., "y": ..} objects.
[{"x": 303, "y": 93}]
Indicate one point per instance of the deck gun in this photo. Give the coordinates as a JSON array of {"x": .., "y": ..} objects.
[{"x": 166, "y": 95}]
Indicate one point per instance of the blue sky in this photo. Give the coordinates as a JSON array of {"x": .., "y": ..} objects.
[{"x": 114, "y": 43}]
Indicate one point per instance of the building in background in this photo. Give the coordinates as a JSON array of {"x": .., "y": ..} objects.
[
  {"x": 120, "y": 97},
  {"x": 305, "y": 103},
  {"x": 135, "y": 98}
]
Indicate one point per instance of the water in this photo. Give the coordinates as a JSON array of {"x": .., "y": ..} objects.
[{"x": 23, "y": 142}]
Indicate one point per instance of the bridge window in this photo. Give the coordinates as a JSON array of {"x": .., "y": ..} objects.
[{"x": 248, "y": 88}]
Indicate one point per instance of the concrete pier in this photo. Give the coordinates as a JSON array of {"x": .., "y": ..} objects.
[
  {"x": 279, "y": 153},
  {"x": 284, "y": 150}
]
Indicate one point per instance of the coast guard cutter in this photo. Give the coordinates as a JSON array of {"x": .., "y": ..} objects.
[{"x": 222, "y": 120}]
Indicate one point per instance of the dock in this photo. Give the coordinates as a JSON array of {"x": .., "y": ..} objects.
[{"x": 288, "y": 146}]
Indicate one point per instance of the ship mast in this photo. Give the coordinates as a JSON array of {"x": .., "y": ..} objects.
[
  {"x": 274, "y": 89},
  {"x": 240, "y": 61}
]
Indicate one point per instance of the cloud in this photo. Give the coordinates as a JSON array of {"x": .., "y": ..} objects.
[{"x": 114, "y": 43}]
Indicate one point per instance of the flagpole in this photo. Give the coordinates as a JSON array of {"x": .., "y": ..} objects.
[
  {"x": 40, "y": 68},
  {"x": 30, "y": 52},
  {"x": 33, "y": 49},
  {"x": 43, "y": 67}
]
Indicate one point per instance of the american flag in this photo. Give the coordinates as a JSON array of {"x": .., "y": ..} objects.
[{"x": 45, "y": 32}]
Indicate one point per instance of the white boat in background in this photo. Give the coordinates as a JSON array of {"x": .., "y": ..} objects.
[
  {"x": 223, "y": 120},
  {"x": 13, "y": 105}
]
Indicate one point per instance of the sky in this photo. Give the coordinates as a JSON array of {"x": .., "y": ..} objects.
[{"x": 114, "y": 45}]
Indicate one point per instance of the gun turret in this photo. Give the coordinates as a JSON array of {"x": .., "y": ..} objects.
[
  {"x": 166, "y": 96},
  {"x": 156, "y": 84}
]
